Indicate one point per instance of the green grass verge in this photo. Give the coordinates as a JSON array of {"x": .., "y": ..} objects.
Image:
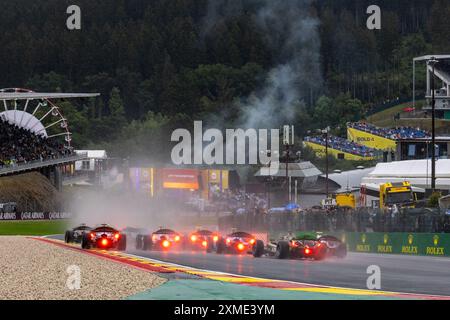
[
  {"x": 385, "y": 118},
  {"x": 32, "y": 228}
]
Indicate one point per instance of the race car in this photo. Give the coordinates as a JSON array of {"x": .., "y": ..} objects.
[
  {"x": 237, "y": 243},
  {"x": 104, "y": 237},
  {"x": 201, "y": 240},
  {"x": 304, "y": 245},
  {"x": 162, "y": 239},
  {"x": 76, "y": 234}
]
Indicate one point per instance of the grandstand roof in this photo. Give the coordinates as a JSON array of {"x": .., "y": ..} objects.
[
  {"x": 43, "y": 95},
  {"x": 430, "y": 56}
]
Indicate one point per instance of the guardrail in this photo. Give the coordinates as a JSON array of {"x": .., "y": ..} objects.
[{"x": 40, "y": 164}]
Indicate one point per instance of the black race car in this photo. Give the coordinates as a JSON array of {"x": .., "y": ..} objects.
[
  {"x": 104, "y": 237},
  {"x": 201, "y": 240},
  {"x": 76, "y": 234},
  {"x": 306, "y": 245},
  {"x": 162, "y": 239},
  {"x": 236, "y": 242}
]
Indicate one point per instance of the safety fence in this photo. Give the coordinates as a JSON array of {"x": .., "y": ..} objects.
[{"x": 361, "y": 220}]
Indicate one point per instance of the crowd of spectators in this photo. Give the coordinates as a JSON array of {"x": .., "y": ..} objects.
[
  {"x": 343, "y": 145},
  {"x": 238, "y": 201},
  {"x": 391, "y": 133},
  {"x": 19, "y": 146}
]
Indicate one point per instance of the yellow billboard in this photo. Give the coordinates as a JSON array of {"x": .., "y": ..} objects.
[
  {"x": 219, "y": 177},
  {"x": 370, "y": 140},
  {"x": 319, "y": 150}
]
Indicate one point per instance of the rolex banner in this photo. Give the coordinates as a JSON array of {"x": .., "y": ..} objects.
[{"x": 430, "y": 244}]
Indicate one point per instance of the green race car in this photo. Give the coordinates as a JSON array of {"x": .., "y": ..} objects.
[{"x": 303, "y": 245}]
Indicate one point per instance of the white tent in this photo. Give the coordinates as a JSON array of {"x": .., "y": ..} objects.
[{"x": 417, "y": 172}]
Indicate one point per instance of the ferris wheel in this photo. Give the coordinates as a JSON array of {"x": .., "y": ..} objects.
[{"x": 37, "y": 113}]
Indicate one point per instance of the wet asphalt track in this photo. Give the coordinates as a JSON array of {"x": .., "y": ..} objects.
[{"x": 411, "y": 274}]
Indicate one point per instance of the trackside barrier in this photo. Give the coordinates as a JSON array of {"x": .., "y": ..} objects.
[{"x": 427, "y": 244}]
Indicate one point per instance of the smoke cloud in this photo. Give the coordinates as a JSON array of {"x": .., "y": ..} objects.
[{"x": 291, "y": 31}]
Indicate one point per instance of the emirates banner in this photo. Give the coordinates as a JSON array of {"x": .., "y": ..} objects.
[{"x": 34, "y": 216}]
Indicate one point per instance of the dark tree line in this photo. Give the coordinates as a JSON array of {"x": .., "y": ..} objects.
[{"x": 153, "y": 60}]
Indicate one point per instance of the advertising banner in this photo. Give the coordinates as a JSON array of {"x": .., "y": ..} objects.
[
  {"x": 370, "y": 140},
  {"x": 5, "y": 216},
  {"x": 319, "y": 150},
  {"x": 142, "y": 180},
  {"x": 430, "y": 244},
  {"x": 181, "y": 179}
]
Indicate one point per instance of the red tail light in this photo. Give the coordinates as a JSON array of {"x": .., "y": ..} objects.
[
  {"x": 228, "y": 241},
  {"x": 165, "y": 244},
  {"x": 240, "y": 247},
  {"x": 307, "y": 251},
  {"x": 205, "y": 244},
  {"x": 252, "y": 241},
  {"x": 177, "y": 238},
  {"x": 117, "y": 236},
  {"x": 104, "y": 242},
  {"x": 193, "y": 238},
  {"x": 215, "y": 238}
]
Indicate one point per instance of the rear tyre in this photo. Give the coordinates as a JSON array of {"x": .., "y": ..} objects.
[
  {"x": 85, "y": 244},
  {"x": 122, "y": 243},
  {"x": 258, "y": 249},
  {"x": 138, "y": 242},
  {"x": 68, "y": 237},
  {"x": 210, "y": 247},
  {"x": 146, "y": 243},
  {"x": 220, "y": 246},
  {"x": 282, "y": 250},
  {"x": 341, "y": 252}
]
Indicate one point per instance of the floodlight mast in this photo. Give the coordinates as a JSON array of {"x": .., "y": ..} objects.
[{"x": 432, "y": 62}]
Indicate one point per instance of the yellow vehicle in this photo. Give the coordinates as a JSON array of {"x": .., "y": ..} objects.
[
  {"x": 342, "y": 200},
  {"x": 346, "y": 200},
  {"x": 397, "y": 193}
]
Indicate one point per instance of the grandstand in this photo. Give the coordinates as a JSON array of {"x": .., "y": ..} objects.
[
  {"x": 390, "y": 133},
  {"x": 366, "y": 141},
  {"x": 21, "y": 146},
  {"x": 35, "y": 134},
  {"x": 340, "y": 148},
  {"x": 382, "y": 138}
]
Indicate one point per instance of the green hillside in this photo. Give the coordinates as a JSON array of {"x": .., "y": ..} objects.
[{"x": 385, "y": 118}]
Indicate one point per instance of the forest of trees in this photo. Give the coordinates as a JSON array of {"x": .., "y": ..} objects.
[{"x": 161, "y": 64}]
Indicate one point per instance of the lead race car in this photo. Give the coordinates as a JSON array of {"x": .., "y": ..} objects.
[
  {"x": 76, "y": 234},
  {"x": 104, "y": 237},
  {"x": 303, "y": 245},
  {"x": 161, "y": 239}
]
